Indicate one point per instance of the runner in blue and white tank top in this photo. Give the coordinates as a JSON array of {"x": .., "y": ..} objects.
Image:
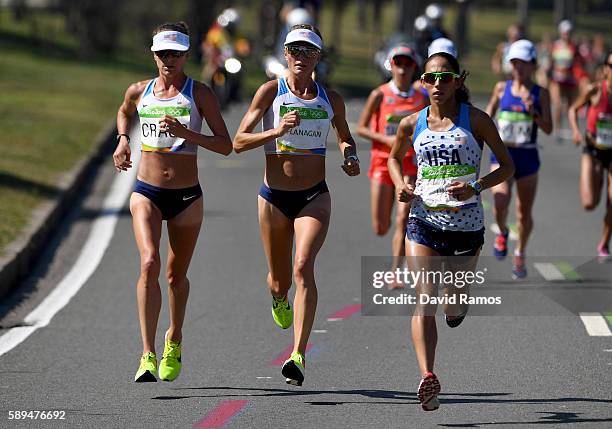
[
  {"x": 294, "y": 201},
  {"x": 170, "y": 109},
  {"x": 446, "y": 219},
  {"x": 524, "y": 107}
]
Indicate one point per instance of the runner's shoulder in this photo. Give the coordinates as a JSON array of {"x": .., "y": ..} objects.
[
  {"x": 136, "y": 89},
  {"x": 409, "y": 122}
]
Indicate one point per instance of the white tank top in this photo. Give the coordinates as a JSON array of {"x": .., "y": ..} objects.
[
  {"x": 183, "y": 107},
  {"x": 444, "y": 157},
  {"x": 310, "y": 137}
]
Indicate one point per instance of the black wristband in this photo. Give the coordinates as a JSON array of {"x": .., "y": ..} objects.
[{"x": 125, "y": 135}]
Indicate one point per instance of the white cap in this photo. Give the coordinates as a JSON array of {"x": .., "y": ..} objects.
[
  {"x": 565, "y": 26},
  {"x": 304, "y": 35},
  {"x": 172, "y": 40},
  {"x": 442, "y": 45},
  {"x": 522, "y": 50},
  {"x": 299, "y": 15}
]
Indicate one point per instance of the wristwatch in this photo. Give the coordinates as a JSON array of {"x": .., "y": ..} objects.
[
  {"x": 476, "y": 186},
  {"x": 124, "y": 135}
]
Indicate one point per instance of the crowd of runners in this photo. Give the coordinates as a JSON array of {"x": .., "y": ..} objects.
[{"x": 427, "y": 140}]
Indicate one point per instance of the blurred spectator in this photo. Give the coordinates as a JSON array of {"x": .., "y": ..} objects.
[
  {"x": 435, "y": 15},
  {"x": 223, "y": 41},
  {"x": 499, "y": 62},
  {"x": 544, "y": 64},
  {"x": 566, "y": 67}
]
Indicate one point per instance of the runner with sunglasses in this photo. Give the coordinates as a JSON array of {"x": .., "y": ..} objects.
[
  {"x": 524, "y": 107},
  {"x": 294, "y": 201},
  {"x": 384, "y": 109},
  {"x": 170, "y": 108},
  {"x": 446, "y": 216},
  {"x": 597, "y": 151}
]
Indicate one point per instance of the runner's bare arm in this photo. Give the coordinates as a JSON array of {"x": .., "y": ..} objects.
[
  {"x": 363, "y": 126},
  {"x": 498, "y": 90},
  {"x": 485, "y": 130},
  {"x": 403, "y": 142},
  {"x": 583, "y": 98},
  {"x": 346, "y": 144},
  {"x": 208, "y": 106},
  {"x": 544, "y": 117},
  {"x": 123, "y": 153},
  {"x": 245, "y": 138}
]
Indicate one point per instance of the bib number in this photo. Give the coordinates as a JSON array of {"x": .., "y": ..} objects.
[
  {"x": 603, "y": 136},
  {"x": 515, "y": 128},
  {"x": 433, "y": 183}
]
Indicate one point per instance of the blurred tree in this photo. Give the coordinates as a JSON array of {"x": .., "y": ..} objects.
[
  {"x": 565, "y": 9},
  {"x": 201, "y": 16},
  {"x": 95, "y": 24},
  {"x": 461, "y": 27},
  {"x": 522, "y": 12},
  {"x": 338, "y": 7},
  {"x": 407, "y": 12}
]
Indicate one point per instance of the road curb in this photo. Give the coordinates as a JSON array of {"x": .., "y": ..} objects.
[{"x": 18, "y": 257}]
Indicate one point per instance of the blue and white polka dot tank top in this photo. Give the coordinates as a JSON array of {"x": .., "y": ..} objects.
[{"x": 442, "y": 158}]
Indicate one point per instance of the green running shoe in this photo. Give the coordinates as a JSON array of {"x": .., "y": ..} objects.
[
  {"x": 170, "y": 365},
  {"x": 282, "y": 312},
  {"x": 147, "y": 369},
  {"x": 294, "y": 369}
]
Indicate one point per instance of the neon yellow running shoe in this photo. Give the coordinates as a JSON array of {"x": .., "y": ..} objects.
[
  {"x": 294, "y": 369},
  {"x": 170, "y": 365},
  {"x": 147, "y": 369},
  {"x": 281, "y": 312}
]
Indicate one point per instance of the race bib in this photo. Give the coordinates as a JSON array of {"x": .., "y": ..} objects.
[
  {"x": 151, "y": 137},
  {"x": 603, "y": 136},
  {"x": 309, "y": 135},
  {"x": 433, "y": 183},
  {"x": 515, "y": 127},
  {"x": 392, "y": 124}
]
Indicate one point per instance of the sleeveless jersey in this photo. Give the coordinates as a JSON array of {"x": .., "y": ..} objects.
[
  {"x": 599, "y": 120},
  {"x": 563, "y": 56},
  {"x": 442, "y": 158},
  {"x": 182, "y": 106},
  {"x": 310, "y": 137},
  {"x": 515, "y": 125},
  {"x": 394, "y": 106}
]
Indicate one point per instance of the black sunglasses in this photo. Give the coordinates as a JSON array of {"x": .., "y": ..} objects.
[
  {"x": 304, "y": 51},
  {"x": 169, "y": 53}
]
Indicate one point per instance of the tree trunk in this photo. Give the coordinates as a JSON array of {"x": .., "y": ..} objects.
[
  {"x": 462, "y": 27},
  {"x": 522, "y": 12}
]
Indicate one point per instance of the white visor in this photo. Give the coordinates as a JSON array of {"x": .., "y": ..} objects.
[
  {"x": 172, "y": 40},
  {"x": 304, "y": 35}
]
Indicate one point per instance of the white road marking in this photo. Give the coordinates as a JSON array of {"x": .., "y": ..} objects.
[
  {"x": 319, "y": 331},
  {"x": 263, "y": 378},
  {"x": 333, "y": 319},
  {"x": 549, "y": 271},
  {"x": 595, "y": 325},
  {"x": 91, "y": 254}
]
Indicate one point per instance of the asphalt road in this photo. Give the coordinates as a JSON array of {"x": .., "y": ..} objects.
[{"x": 510, "y": 370}]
